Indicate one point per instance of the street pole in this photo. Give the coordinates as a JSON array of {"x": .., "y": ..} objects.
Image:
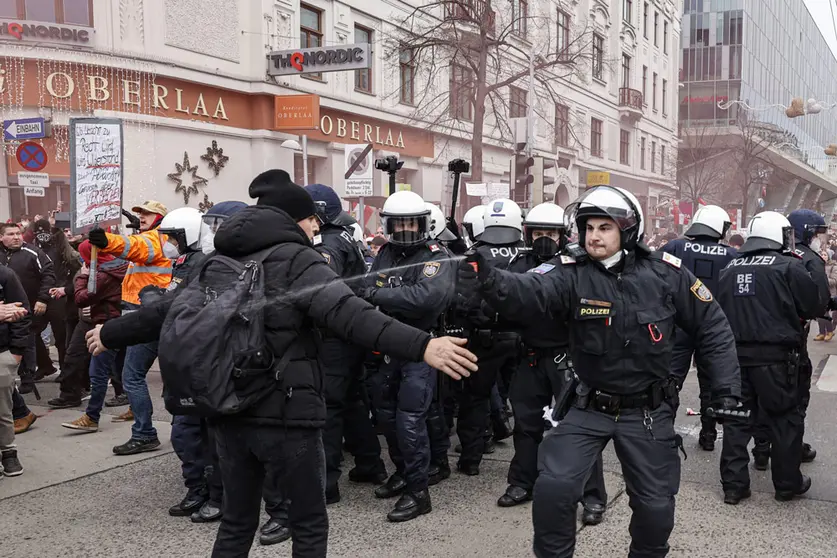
[
  {"x": 305, "y": 159},
  {"x": 360, "y": 216},
  {"x": 530, "y": 119}
]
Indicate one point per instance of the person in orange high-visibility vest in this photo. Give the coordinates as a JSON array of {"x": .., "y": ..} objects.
[{"x": 149, "y": 272}]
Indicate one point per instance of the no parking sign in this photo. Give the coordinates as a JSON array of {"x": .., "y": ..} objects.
[{"x": 31, "y": 156}]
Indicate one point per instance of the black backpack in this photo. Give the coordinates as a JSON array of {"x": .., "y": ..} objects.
[{"x": 214, "y": 358}]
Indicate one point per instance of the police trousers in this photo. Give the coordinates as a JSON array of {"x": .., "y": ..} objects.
[
  {"x": 647, "y": 447},
  {"x": 347, "y": 414},
  {"x": 681, "y": 362},
  {"x": 537, "y": 380},
  {"x": 771, "y": 393},
  {"x": 402, "y": 393}
]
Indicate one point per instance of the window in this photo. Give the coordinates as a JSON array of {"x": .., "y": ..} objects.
[
  {"x": 310, "y": 31},
  {"x": 461, "y": 98},
  {"x": 665, "y": 97},
  {"x": 520, "y": 16},
  {"x": 662, "y": 159},
  {"x": 562, "y": 125},
  {"x": 627, "y": 10},
  {"x": 626, "y": 70},
  {"x": 656, "y": 27},
  {"x": 665, "y": 37},
  {"x": 645, "y": 86},
  {"x": 407, "y": 63},
  {"x": 645, "y": 20},
  {"x": 624, "y": 147},
  {"x": 517, "y": 102},
  {"x": 595, "y": 137},
  {"x": 654, "y": 91},
  {"x": 642, "y": 153},
  {"x": 69, "y": 12},
  {"x": 363, "y": 78},
  {"x": 563, "y": 33},
  {"x": 653, "y": 156},
  {"x": 598, "y": 56}
]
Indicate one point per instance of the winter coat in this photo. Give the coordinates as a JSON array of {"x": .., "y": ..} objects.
[
  {"x": 831, "y": 272},
  {"x": 14, "y": 336},
  {"x": 34, "y": 269},
  {"x": 106, "y": 303}
]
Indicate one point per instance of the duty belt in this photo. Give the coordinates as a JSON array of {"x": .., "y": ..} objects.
[
  {"x": 559, "y": 356},
  {"x": 653, "y": 397},
  {"x": 612, "y": 404}
]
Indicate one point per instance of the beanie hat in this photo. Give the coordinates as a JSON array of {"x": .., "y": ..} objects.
[
  {"x": 275, "y": 188},
  {"x": 326, "y": 195},
  {"x": 85, "y": 251},
  {"x": 41, "y": 225}
]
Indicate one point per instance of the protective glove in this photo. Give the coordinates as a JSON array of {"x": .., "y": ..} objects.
[
  {"x": 727, "y": 407},
  {"x": 98, "y": 238},
  {"x": 133, "y": 220},
  {"x": 472, "y": 271},
  {"x": 367, "y": 294}
]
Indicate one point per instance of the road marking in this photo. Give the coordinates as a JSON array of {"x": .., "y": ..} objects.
[{"x": 828, "y": 378}]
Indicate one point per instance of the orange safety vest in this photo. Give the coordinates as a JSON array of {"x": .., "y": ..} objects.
[{"x": 147, "y": 263}]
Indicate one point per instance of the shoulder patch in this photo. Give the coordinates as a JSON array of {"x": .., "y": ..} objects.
[
  {"x": 567, "y": 260},
  {"x": 180, "y": 260},
  {"x": 431, "y": 269},
  {"x": 799, "y": 253},
  {"x": 701, "y": 291},
  {"x": 434, "y": 246},
  {"x": 347, "y": 237},
  {"x": 542, "y": 269},
  {"x": 317, "y": 240},
  {"x": 673, "y": 261},
  {"x": 327, "y": 257}
]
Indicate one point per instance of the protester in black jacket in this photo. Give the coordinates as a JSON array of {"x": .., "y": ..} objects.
[
  {"x": 35, "y": 271},
  {"x": 284, "y": 429}
]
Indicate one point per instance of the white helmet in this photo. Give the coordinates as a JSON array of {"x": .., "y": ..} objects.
[
  {"x": 503, "y": 222},
  {"x": 545, "y": 216},
  {"x": 407, "y": 209},
  {"x": 357, "y": 233},
  {"x": 473, "y": 222},
  {"x": 185, "y": 226},
  {"x": 711, "y": 221},
  {"x": 768, "y": 230},
  {"x": 438, "y": 228},
  {"x": 610, "y": 202}
]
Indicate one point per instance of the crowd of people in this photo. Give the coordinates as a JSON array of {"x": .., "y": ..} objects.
[{"x": 286, "y": 337}]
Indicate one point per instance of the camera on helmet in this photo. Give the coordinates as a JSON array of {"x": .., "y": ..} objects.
[
  {"x": 391, "y": 164},
  {"x": 459, "y": 166}
]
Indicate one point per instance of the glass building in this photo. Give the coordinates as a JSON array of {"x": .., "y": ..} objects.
[{"x": 761, "y": 52}]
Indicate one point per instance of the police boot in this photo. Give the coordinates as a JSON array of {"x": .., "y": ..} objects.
[
  {"x": 394, "y": 486},
  {"x": 808, "y": 453},
  {"x": 273, "y": 532},
  {"x": 410, "y": 506},
  {"x": 470, "y": 469},
  {"x": 761, "y": 457},
  {"x": 735, "y": 495},
  {"x": 593, "y": 514},
  {"x": 209, "y": 512},
  {"x": 367, "y": 477},
  {"x": 190, "y": 503},
  {"x": 502, "y": 428},
  {"x": 332, "y": 495},
  {"x": 437, "y": 473},
  {"x": 788, "y": 495},
  {"x": 706, "y": 439},
  {"x": 514, "y": 496}
]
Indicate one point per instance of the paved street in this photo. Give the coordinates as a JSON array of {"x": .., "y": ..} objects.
[{"x": 77, "y": 499}]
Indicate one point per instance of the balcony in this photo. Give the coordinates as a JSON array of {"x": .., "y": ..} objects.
[
  {"x": 630, "y": 104},
  {"x": 473, "y": 14}
]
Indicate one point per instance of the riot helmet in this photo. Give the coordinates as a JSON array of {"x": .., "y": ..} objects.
[
  {"x": 807, "y": 225},
  {"x": 612, "y": 203},
  {"x": 183, "y": 226},
  {"x": 503, "y": 221},
  {"x": 769, "y": 230},
  {"x": 438, "y": 229},
  {"x": 405, "y": 219},
  {"x": 711, "y": 221},
  {"x": 473, "y": 224},
  {"x": 545, "y": 220}
]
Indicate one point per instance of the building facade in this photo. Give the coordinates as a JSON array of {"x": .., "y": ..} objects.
[{"x": 190, "y": 81}]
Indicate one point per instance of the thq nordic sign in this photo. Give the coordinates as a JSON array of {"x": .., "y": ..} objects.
[{"x": 319, "y": 59}]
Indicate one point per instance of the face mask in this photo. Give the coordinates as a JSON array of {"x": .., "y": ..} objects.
[
  {"x": 44, "y": 237},
  {"x": 170, "y": 250},
  {"x": 208, "y": 243},
  {"x": 816, "y": 243},
  {"x": 544, "y": 247}
]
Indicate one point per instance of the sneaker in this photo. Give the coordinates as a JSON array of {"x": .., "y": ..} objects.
[
  {"x": 127, "y": 416},
  {"x": 84, "y": 423},
  {"x": 62, "y": 402},
  {"x": 25, "y": 423},
  {"x": 117, "y": 401},
  {"x": 819, "y": 337},
  {"x": 829, "y": 336},
  {"x": 11, "y": 464},
  {"x": 134, "y": 446}
]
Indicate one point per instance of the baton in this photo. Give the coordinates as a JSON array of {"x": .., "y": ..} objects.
[{"x": 727, "y": 413}]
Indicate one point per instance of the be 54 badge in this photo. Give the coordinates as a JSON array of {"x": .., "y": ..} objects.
[{"x": 431, "y": 269}]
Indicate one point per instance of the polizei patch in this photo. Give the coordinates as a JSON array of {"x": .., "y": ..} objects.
[
  {"x": 431, "y": 269},
  {"x": 701, "y": 291}
]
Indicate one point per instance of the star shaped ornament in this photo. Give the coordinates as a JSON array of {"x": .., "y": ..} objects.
[
  {"x": 215, "y": 158},
  {"x": 193, "y": 182}
]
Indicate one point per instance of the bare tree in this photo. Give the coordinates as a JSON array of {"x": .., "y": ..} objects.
[
  {"x": 468, "y": 54},
  {"x": 750, "y": 150},
  {"x": 702, "y": 164}
]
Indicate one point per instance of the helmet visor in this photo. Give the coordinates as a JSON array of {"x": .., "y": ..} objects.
[
  {"x": 406, "y": 230},
  {"x": 603, "y": 201},
  {"x": 210, "y": 225}
]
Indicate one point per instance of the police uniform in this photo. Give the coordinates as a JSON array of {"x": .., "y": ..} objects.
[
  {"x": 414, "y": 285},
  {"x": 621, "y": 338},
  {"x": 543, "y": 373},
  {"x": 497, "y": 346},
  {"x": 705, "y": 258},
  {"x": 766, "y": 295},
  {"x": 347, "y": 413}
]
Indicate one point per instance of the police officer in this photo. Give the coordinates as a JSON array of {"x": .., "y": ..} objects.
[
  {"x": 623, "y": 302},
  {"x": 411, "y": 280},
  {"x": 545, "y": 371},
  {"x": 703, "y": 254},
  {"x": 494, "y": 341},
  {"x": 767, "y": 284},
  {"x": 473, "y": 224},
  {"x": 347, "y": 414}
]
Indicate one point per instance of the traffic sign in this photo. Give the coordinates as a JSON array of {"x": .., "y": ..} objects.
[
  {"x": 31, "y": 156},
  {"x": 24, "y": 129},
  {"x": 34, "y": 192},
  {"x": 359, "y": 170},
  {"x": 36, "y": 179}
]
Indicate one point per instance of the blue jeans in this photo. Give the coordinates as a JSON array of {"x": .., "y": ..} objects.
[
  {"x": 100, "y": 369},
  {"x": 138, "y": 360}
]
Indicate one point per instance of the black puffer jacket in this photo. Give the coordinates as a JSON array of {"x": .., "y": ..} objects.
[{"x": 303, "y": 292}]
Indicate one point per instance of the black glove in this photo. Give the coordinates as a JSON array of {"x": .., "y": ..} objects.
[
  {"x": 134, "y": 222},
  {"x": 98, "y": 238},
  {"x": 367, "y": 294}
]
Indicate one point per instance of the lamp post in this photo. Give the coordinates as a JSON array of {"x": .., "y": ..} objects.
[{"x": 294, "y": 145}]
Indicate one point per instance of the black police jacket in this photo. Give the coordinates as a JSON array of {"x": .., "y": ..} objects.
[
  {"x": 474, "y": 310},
  {"x": 766, "y": 295},
  {"x": 538, "y": 334},
  {"x": 341, "y": 253},
  {"x": 816, "y": 267},
  {"x": 704, "y": 257},
  {"x": 413, "y": 284},
  {"x": 622, "y": 320}
]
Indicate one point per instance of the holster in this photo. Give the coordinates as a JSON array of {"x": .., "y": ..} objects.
[
  {"x": 794, "y": 363},
  {"x": 567, "y": 396}
]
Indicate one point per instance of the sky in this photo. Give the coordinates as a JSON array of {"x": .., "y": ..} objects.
[{"x": 822, "y": 15}]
